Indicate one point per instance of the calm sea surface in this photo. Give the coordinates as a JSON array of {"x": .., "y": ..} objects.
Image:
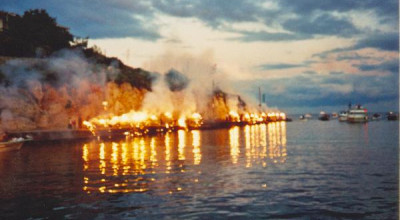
[{"x": 294, "y": 170}]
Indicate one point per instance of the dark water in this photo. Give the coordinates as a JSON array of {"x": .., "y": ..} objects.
[{"x": 296, "y": 170}]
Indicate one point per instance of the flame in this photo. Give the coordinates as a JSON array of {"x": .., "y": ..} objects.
[{"x": 182, "y": 122}]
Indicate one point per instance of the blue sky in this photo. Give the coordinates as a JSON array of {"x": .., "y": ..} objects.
[{"x": 306, "y": 55}]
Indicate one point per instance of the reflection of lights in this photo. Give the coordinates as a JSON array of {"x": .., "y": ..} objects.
[
  {"x": 125, "y": 166},
  {"x": 102, "y": 165},
  {"x": 142, "y": 155},
  {"x": 196, "y": 146},
  {"x": 114, "y": 158},
  {"x": 247, "y": 137},
  {"x": 153, "y": 152},
  {"x": 263, "y": 142},
  {"x": 283, "y": 128},
  {"x": 85, "y": 153},
  {"x": 139, "y": 157},
  {"x": 167, "y": 152},
  {"x": 85, "y": 158},
  {"x": 181, "y": 144},
  {"x": 234, "y": 143}
]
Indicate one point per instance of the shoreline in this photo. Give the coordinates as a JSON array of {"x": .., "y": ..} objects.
[{"x": 116, "y": 133}]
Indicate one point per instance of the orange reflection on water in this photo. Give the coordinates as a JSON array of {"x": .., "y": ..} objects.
[
  {"x": 277, "y": 141},
  {"x": 262, "y": 143},
  {"x": 181, "y": 144},
  {"x": 128, "y": 165},
  {"x": 234, "y": 143},
  {"x": 153, "y": 152},
  {"x": 196, "y": 142},
  {"x": 167, "y": 142}
]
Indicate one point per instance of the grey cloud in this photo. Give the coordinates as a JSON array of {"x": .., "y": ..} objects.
[
  {"x": 387, "y": 41},
  {"x": 384, "y": 42},
  {"x": 248, "y": 36},
  {"x": 390, "y": 66},
  {"x": 96, "y": 19},
  {"x": 211, "y": 12},
  {"x": 354, "y": 56},
  {"x": 280, "y": 66},
  {"x": 312, "y": 90},
  {"x": 387, "y": 8},
  {"x": 324, "y": 24}
]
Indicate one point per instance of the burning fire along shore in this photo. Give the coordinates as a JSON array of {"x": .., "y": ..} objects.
[
  {"x": 70, "y": 91},
  {"x": 191, "y": 95},
  {"x": 141, "y": 123}
]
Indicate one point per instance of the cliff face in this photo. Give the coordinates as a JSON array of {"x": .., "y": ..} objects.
[{"x": 66, "y": 88}]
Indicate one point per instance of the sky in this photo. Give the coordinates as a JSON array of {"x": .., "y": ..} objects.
[{"x": 305, "y": 55}]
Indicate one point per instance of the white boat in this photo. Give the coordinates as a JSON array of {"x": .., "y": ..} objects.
[
  {"x": 303, "y": 118},
  {"x": 13, "y": 144},
  {"x": 343, "y": 116},
  {"x": 357, "y": 114}
]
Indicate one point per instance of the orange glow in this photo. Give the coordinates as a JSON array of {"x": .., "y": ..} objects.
[
  {"x": 196, "y": 142},
  {"x": 234, "y": 143}
]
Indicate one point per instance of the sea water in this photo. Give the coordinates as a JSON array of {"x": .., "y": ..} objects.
[{"x": 283, "y": 170}]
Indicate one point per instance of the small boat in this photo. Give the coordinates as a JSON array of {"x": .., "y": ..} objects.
[
  {"x": 334, "y": 115},
  {"x": 357, "y": 114},
  {"x": 376, "y": 116},
  {"x": 308, "y": 116},
  {"x": 303, "y": 118},
  {"x": 391, "y": 116},
  {"x": 323, "y": 116},
  {"x": 343, "y": 116},
  {"x": 13, "y": 144}
]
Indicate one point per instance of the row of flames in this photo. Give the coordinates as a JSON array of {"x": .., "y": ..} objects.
[{"x": 142, "y": 121}]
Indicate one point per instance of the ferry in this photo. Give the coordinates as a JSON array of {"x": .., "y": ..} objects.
[{"x": 357, "y": 114}]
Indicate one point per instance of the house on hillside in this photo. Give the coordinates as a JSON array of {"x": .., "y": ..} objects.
[{"x": 5, "y": 19}]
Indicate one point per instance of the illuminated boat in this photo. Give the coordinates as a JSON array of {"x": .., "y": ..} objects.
[
  {"x": 391, "y": 116},
  {"x": 13, "y": 144},
  {"x": 343, "y": 116},
  {"x": 357, "y": 114},
  {"x": 323, "y": 116}
]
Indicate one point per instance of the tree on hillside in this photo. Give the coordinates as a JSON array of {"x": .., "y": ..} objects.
[{"x": 33, "y": 34}]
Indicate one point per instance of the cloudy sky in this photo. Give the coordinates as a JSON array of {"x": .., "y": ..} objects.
[{"x": 306, "y": 55}]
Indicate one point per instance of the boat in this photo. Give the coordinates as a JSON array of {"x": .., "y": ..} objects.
[
  {"x": 12, "y": 144},
  {"x": 343, "y": 116},
  {"x": 303, "y": 118},
  {"x": 357, "y": 114},
  {"x": 376, "y": 116},
  {"x": 391, "y": 116},
  {"x": 308, "y": 116},
  {"x": 323, "y": 116},
  {"x": 334, "y": 115}
]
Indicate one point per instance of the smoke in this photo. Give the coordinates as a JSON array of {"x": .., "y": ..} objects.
[
  {"x": 67, "y": 88},
  {"x": 62, "y": 90},
  {"x": 189, "y": 83}
]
